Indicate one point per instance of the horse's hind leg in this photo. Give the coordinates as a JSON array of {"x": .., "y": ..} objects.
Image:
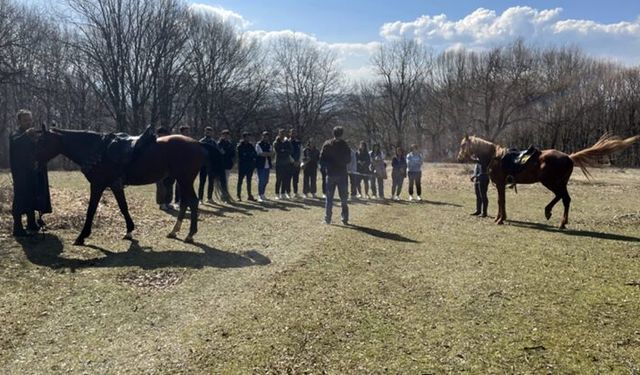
[
  {"x": 96, "y": 193},
  {"x": 502, "y": 210},
  {"x": 118, "y": 193},
  {"x": 549, "y": 208},
  {"x": 181, "y": 215},
  {"x": 566, "y": 201},
  {"x": 193, "y": 229}
]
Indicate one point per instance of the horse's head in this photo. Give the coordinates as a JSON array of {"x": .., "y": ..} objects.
[
  {"x": 48, "y": 144},
  {"x": 465, "y": 149}
]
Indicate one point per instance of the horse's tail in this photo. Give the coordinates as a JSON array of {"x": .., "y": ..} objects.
[
  {"x": 606, "y": 145},
  {"x": 213, "y": 163}
]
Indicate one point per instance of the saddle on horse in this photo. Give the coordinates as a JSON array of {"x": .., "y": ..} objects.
[
  {"x": 515, "y": 161},
  {"x": 122, "y": 148}
]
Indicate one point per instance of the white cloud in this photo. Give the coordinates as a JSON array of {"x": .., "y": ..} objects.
[
  {"x": 225, "y": 14},
  {"x": 485, "y": 28}
]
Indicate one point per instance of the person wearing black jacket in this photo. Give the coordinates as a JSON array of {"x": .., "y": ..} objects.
[
  {"x": 205, "y": 171},
  {"x": 296, "y": 155},
  {"x": 282, "y": 148},
  {"x": 246, "y": 164},
  {"x": 228, "y": 152},
  {"x": 335, "y": 155},
  {"x": 310, "y": 159},
  {"x": 30, "y": 181}
]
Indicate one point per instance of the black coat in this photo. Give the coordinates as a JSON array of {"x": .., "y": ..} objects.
[
  {"x": 246, "y": 156},
  {"x": 229, "y": 153},
  {"x": 30, "y": 185}
]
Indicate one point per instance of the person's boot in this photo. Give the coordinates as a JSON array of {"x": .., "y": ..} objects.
[
  {"x": 32, "y": 226},
  {"x": 18, "y": 230}
]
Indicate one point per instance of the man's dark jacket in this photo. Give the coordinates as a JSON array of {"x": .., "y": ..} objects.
[
  {"x": 335, "y": 155},
  {"x": 229, "y": 153},
  {"x": 30, "y": 185},
  {"x": 246, "y": 156}
]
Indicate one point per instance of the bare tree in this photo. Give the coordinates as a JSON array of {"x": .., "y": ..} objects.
[
  {"x": 307, "y": 84},
  {"x": 401, "y": 66}
]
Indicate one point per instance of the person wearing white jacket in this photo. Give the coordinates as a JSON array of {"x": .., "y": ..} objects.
[{"x": 414, "y": 169}]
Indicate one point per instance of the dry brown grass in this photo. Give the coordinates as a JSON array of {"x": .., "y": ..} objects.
[{"x": 412, "y": 288}]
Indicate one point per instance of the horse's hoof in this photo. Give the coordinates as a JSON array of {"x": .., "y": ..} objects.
[
  {"x": 547, "y": 214},
  {"x": 172, "y": 235},
  {"x": 500, "y": 222},
  {"x": 188, "y": 240},
  {"x": 79, "y": 242},
  {"x": 128, "y": 236}
]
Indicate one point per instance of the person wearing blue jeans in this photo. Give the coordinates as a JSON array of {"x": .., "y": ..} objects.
[
  {"x": 336, "y": 155},
  {"x": 264, "y": 153}
]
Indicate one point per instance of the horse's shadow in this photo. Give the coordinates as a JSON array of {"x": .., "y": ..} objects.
[
  {"x": 573, "y": 232},
  {"x": 46, "y": 250}
]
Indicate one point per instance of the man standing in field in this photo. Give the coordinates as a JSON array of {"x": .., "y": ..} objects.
[
  {"x": 246, "y": 164},
  {"x": 205, "y": 172},
  {"x": 296, "y": 154},
  {"x": 30, "y": 181},
  {"x": 335, "y": 155},
  {"x": 263, "y": 164}
]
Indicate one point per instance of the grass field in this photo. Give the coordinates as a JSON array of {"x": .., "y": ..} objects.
[{"x": 409, "y": 288}]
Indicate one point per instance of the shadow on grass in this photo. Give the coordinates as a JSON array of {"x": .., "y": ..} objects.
[
  {"x": 379, "y": 233},
  {"x": 46, "y": 251},
  {"x": 437, "y": 203},
  {"x": 573, "y": 232}
]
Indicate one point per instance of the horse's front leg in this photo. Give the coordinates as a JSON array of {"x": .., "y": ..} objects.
[
  {"x": 502, "y": 212},
  {"x": 96, "y": 194},
  {"x": 118, "y": 193}
]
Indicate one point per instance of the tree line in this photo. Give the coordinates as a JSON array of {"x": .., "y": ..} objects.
[{"x": 119, "y": 65}]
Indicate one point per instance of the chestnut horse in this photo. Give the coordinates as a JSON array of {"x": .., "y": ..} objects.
[
  {"x": 174, "y": 155},
  {"x": 552, "y": 168}
]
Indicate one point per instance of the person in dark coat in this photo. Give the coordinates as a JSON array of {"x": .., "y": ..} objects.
[
  {"x": 30, "y": 181},
  {"x": 164, "y": 187},
  {"x": 228, "y": 151},
  {"x": 363, "y": 169},
  {"x": 480, "y": 179},
  {"x": 398, "y": 173},
  {"x": 246, "y": 164},
  {"x": 296, "y": 155},
  {"x": 336, "y": 155},
  {"x": 205, "y": 171},
  {"x": 263, "y": 164},
  {"x": 310, "y": 158},
  {"x": 282, "y": 148}
]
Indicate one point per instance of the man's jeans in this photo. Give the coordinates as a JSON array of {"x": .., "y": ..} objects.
[
  {"x": 341, "y": 183},
  {"x": 263, "y": 180}
]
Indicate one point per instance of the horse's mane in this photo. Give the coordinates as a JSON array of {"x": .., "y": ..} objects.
[
  {"x": 484, "y": 148},
  {"x": 83, "y": 147}
]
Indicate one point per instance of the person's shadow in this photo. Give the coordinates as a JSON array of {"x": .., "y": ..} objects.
[
  {"x": 379, "y": 233},
  {"x": 46, "y": 250}
]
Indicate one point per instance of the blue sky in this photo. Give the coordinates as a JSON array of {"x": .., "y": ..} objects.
[
  {"x": 360, "y": 20},
  {"x": 355, "y": 29}
]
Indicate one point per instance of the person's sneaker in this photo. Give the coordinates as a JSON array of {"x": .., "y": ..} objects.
[
  {"x": 484, "y": 214},
  {"x": 239, "y": 198},
  {"x": 305, "y": 196},
  {"x": 252, "y": 198},
  {"x": 358, "y": 196},
  {"x": 345, "y": 222},
  {"x": 410, "y": 197},
  {"x": 419, "y": 198},
  {"x": 324, "y": 196},
  {"x": 325, "y": 222},
  {"x": 164, "y": 207},
  {"x": 210, "y": 201},
  {"x": 475, "y": 213},
  {"x": 396, "y": 198},
  {"x": 314, "y": 196},
  {"x": 287, "y": 196},
  {"x": 277, "y": 197},
  {"x": 260, "y": 199}
]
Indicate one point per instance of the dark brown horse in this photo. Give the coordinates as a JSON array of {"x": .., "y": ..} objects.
[
  {"x": 175, "y": 155},
  {"x": 552, "y": 168}
]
